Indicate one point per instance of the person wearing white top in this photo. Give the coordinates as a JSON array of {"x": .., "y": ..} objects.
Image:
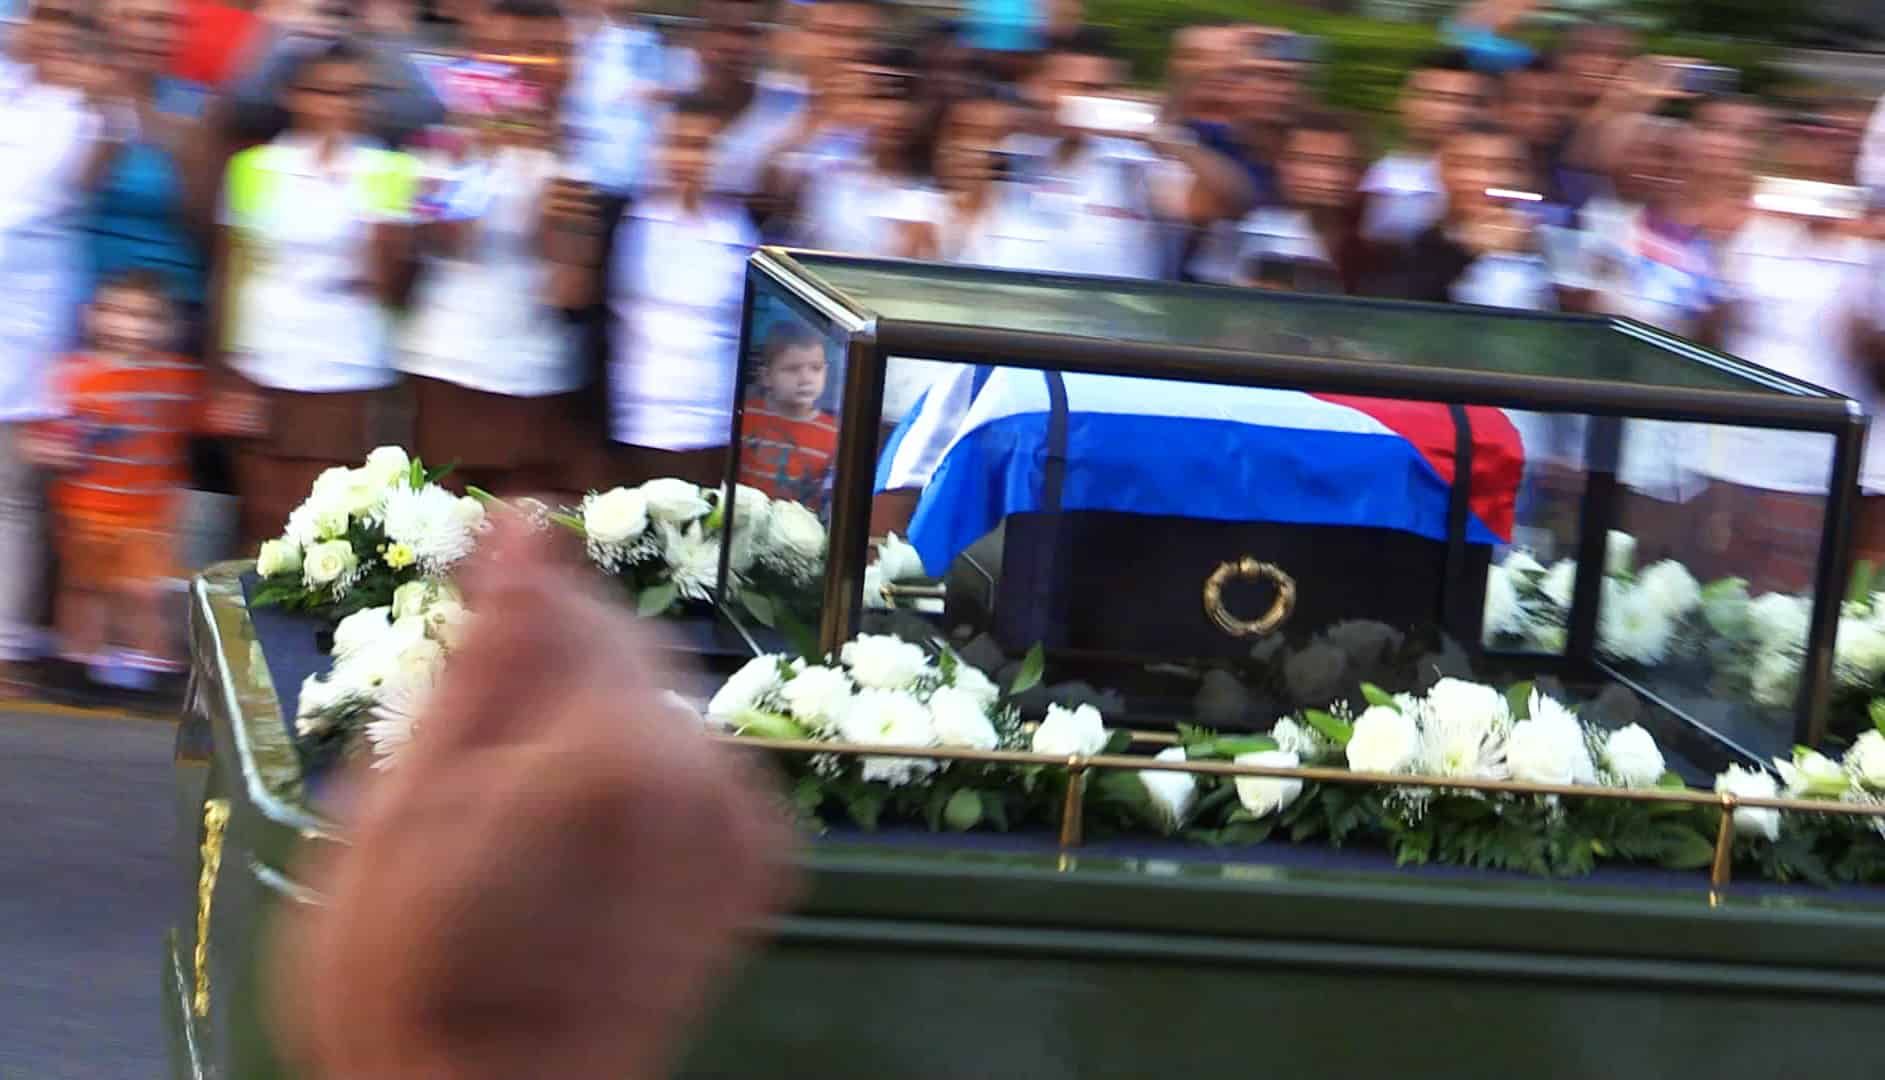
[
  {"x": 619, "y": 69},
  {"x": 46, "y": 135},
  {"x": 313, "y": 228},
  {"x": 1306, "y": 244},
  {"x": 675, "y": 290},
  {"x": 1404, "y": 193}
]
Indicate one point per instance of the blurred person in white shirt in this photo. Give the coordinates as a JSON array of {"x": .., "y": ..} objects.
[
  {"x": 861, "y": 205},
  {"x": 1307, "y": 241},
  {"x": 621, "y": 68},
  {"x": 1404, "y": 192},
  {"x": 675, "y": 289},
  {"x": 47, "y": 128},
  {"x": 1872, "y": 156}
]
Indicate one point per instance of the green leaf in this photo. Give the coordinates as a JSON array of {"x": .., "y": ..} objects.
[
  {"x": 964, "y": 811},
  {"x": 1117, "y": 742},
  {"x": 864, "y": 805},
  {"x": 1032, "y": 667},
  {"x": 808, "y": 794},
  {"x": 760, "y": 606},
  {"x": 995, "y": 810},
  {"x": 656, "y": 599},
  {"x": 435, "y": 475},
  {"x": 1332, "y": 729},
  {"x": 798, "y": 637},
  {"x": 569, "y": 521},
  {"x": 1683, "y": 848},
  {"x": 1671, "y": 782},
  {"x": 415, "y": 474},
  {"x": 482, "y": 495},
  {"x": 761, "y": 724},
  {"x": 1860, "y": 590},
  {"x": 1374, "y": 695},
  {"x": 1877, "y": 711},
  {"x": 1233, "y": 745},
  {"x": 933, "y": 807},
  {"x": 1518, "y": 697}
]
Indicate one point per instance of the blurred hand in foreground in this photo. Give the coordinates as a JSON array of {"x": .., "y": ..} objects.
[{"x": 554, "y": 875}]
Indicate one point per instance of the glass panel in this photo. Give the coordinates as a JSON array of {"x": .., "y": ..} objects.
[
  {"x": 1531, "y": 582},
  {"x": 1262, "y": 321},
  {"x": 787, "y": 419}
]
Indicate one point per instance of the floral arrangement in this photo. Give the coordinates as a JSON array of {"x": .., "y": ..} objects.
[
  {"x": 663, "y": 541},
  {"x": 1823, "y": 849},
  {"x": 362, "y": 533},
  {"x": 386, "y": 659}
]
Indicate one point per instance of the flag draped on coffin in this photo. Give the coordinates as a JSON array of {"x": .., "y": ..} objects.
[{"x": 978, "y": 443}]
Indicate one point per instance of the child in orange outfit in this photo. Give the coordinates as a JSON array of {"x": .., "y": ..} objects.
[
  {"x": 121, "y": 461},
  {"x": 788, "y": 442}
]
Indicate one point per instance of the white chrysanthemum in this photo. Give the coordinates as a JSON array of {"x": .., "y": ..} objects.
[
  {"x": 1305, "y": 742},
  {"x": 969, "y": 678},
  {"x": 614, "y": 520},
  {"x": 796, "y": 543},
  {"x": 361, "y": 631},
  {"x": 1633, "y": 625},
  {"x": 890, "y": 718},
  {"x": 884, "y": 662},
  {"x": 313, "y": 707},
  {"x": 1619, "y": 553},
  {"x": 1172, "y": 794},
  {"x": 1548, "y": 746},
  {"x": 1866, "y": 760},
  {"x": 1775, "y": 678},
  {"x": 1633, "y": 758},
  {"x": 1669, "y": 585},
  {"x": 693, "y": 559},
  {"x": 1560, "y": 582},
  {"x": 1502, "y": 616},
  {"x": 752, "y": 509},
  {"x": 1751, "y": 784},
  {"x": 1859, "y": 652},
  {"x": 1383, "y": 740},
  {"x": 961, "y": 719},
  {"x": 897, "y": 559},
  {"x": 396, "y": 718},
  {"x": 817, "y": 697},
  {"x": 749, "y": 686},
  {"x": 1065, "y": 732},
  {"x": 673, "y": 501},
  {"x": 1463, "y": 726},
  {"x": 1520, "y": 563},
  {"x": 1779, "y": 621},
  {"x": 1266, "y": 795},
  {"x": 428, "y": 521}
]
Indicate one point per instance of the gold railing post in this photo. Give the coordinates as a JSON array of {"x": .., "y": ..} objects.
[
  {"x": 1075, "y": 806},
  {"x": 1723, "y": 865}
]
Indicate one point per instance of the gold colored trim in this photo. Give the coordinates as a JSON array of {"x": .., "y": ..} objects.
[
  {"x": 215, "y": 824},
  {"x": 1249, "y": 569},
  {"x": 893, "y": 591},
  {"x": 1079, "y": 765}
]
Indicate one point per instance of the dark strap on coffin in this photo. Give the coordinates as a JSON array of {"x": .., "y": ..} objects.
[
  {"x": 1455, "y": 597},
  {"x": 1054, "y": 463}
]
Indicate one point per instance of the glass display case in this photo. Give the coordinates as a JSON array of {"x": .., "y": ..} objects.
[{"x": 1156, "y": 483}]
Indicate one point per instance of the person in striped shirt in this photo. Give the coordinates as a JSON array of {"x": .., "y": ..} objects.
[{"x": 119, "y": 454}]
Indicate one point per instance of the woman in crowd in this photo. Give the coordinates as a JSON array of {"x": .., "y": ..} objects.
[
  {"x": 46, "y": 132},
  {"x": 1309, "y": 241},
  {"x": 314, "y": 229},
  {"x": 507, "y": 240}
]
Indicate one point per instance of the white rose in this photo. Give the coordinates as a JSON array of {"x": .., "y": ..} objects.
[
  {"x": 411, "y": 599},
  {"x": 1813, "y": 775},
  {"x": 674, "y": 501},
  {"x": 897, "y": 559},
  {"x": 1780, "y": 621},
  {"x": 278, "y": 557},
  {"x": 1544, "y": 751},
  {"x": 882, "y": 662},
  {"x": 327, "y": 562},
  {"x": 970, "y": 679},
  {"x": 751, "y": 508},
  {"x": 890, "y": 718},
  {"x": 1619, "y": 553},
  {"x": 961, "y": 719},
  {"x": 1384, "y": 740},
  {"x": 1671, "y": 587},
  {"x": 361, "y": 631},
  {"x": 618, "y": 516},
  {"x": 331, "y": 483},
  {"x": 387, "y": 465},
  {"x": 330, "y": 520},
  {"x": 1751, "y": 784},
  {"x": 817, "y": 697},
  {"x": 1172, "y": 794},
  {"x": 1265, "y": 795},
  {"x": 744, "y": 690},
  {"x": 797, "y": 531},
  {"x": 1560, "y": 582},
  {"x": 1866, "y": 759},
  {"x": 468, "y": 513},
  {"x": 1633, "y": 757},
  {"x": 445, "y": 622},
  {"x": 1065, "y": 732},
  {"x": 1472, "y": 704},
  {"x": 363, "y": 495}
]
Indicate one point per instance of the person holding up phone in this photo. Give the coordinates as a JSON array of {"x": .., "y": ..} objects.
[{"x": 1307, "y": 241}]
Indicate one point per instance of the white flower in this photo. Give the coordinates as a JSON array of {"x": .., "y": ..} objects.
[
  {"x": 1305, "y": 742},
  {"x": 1859, "y": 652},
  {"x": 1632, "y": 625},
  {"x": 1633, "y": 758},
  {"x": 1812, "y": 774},
  {"x": 1669, "y": 585},
  {"x": 1462, "y": 730},
  {"x": 1776, "y": 678},
  {"x": 1725, "y": 606},
  {"x": 1559, "y": 582},
  {"x": 752, "y": 509},
  {"x": 674, "y": 501},
  {"x": 1065, "y": 732},
  {"x": 1866, "y": 759},
  {"x": 874, "y": 598},
  {"x": 969, "y": 678},
  {"x": 318, "y": 695},
  {"x": 614, "y": 518},
  {"x": 429, "y": 522},
  {"x": 278, "y": 557},
  {"x": 470, "y": 514},
  {"x": 1384, "y": 740},
  {"x": 890, "y": 718},
  {"x": 883, "y": 662},
  {"x": 745, "y": 689},
  {"x": 445, "y": 621},
  {"x": 693, "y": 559},
  {"x": 961, "y": 719},
  {"x": 817, "y": 697},
  {"x": 1780, "y": 621},
  {"x": 361, "y": 631},
  {"x": 1520, "y": 563},
  {"x": 797, "y": 541},
  {"x": 328, "y": 563},
  {"x": 1172, "y": 794},
  {"x": 386, "y": 466},
  {"x": 412, "y": 598},
  {"x": 1265, "y": 795},
  {"x": 1502, "y": 614},
  {"x": 1619, "y": 553},
  {"x": 897, "y": 559},
  {"x": 389, "y": 733},
  {"x": 1548, "y": 746},
  {"x": 1751, "y": 784}
]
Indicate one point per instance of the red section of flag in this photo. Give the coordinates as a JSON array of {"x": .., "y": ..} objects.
[{"x": 1498, "y": 455}]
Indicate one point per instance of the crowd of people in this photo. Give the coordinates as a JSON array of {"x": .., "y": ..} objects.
[{"x": 241, "y": 246}]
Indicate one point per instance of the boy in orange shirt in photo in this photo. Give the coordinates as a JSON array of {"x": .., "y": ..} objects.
[
  {"x": 120, "y": 458},
  {"x": 787, "y": 442}
]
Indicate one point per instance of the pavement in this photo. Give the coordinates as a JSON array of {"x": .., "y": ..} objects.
[{"x": 88, "y": 881}]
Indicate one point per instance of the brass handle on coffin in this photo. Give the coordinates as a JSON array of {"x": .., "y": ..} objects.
[{"x": 1249, "y": 569}]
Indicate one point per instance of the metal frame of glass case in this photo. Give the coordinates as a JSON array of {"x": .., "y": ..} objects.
[{"x": 1728, "y": 391}]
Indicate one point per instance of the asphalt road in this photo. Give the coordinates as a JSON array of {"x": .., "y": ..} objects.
[{"x": 86, "y": 881}]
